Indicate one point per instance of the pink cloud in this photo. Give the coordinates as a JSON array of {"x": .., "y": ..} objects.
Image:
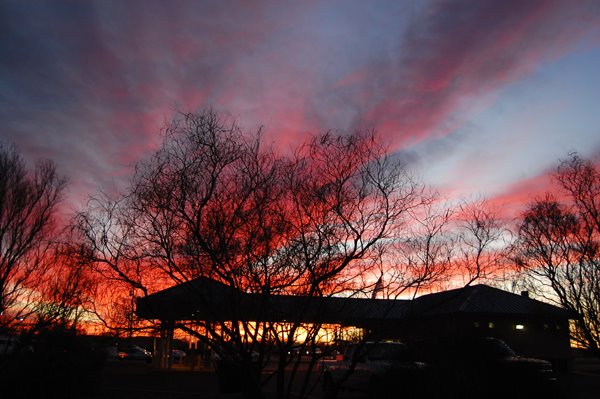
[
  {"x": 96, "y": 83},
  {"x": 461, "y": 49},
  {"x": 514, "y": 200}
]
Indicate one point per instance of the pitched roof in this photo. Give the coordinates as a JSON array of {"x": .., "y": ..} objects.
[
  {"x": 482, "y": 299},
  {"x": 206, "y": 299}
]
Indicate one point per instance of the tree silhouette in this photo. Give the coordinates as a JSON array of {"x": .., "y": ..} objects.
[
  {"x": 558, "y": 246},
  {"x": 215, "y": 202},
  {"x": 28, "y": 201}
]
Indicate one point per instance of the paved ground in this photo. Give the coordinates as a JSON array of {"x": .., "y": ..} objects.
[
  {"x": 583, "y": 382},
  {"x": 130, "y": 380},
  {"x": 133, "y": 380}
]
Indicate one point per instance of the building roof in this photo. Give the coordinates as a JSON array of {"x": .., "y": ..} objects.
[
  {"x": 478, "y": 299},
  {"x": 206, "y": 299}
]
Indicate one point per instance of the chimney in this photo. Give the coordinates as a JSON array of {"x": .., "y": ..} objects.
[{"x": 525, "y": 294}]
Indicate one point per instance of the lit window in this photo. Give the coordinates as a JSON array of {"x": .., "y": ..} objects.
[
  {"x": 519, "y": 327},
  {"x": 491, "y": 324}
]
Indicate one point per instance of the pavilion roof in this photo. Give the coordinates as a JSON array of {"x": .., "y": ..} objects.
[{"x": 210, "y": 300}]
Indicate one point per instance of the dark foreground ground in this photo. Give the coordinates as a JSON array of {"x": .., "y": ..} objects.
[
  {"x": 122, "y": 380},
  {"x": 137, "y": 380}
]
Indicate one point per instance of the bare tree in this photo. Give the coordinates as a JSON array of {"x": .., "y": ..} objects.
[
  {"x": 558, "y": 246},
  {"x": 28, "y": 201},
  {"x": 214, "y": 202},
  {"x": 422, "y": 254},
  {"x": 444, "y": 246},
  {"x": 103, "y": 240},
  {"x": 345, "y": 200},
  {"x": 64, "y": 291},
  {"x": 481, "y": 243}
]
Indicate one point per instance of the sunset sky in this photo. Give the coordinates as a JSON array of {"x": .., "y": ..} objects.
[{"x": 480, "y": 98}]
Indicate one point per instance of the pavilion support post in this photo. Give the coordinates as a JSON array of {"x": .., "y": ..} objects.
[
  {"x": 170, "y": 330},
  {"x": 162, "y": 357}
]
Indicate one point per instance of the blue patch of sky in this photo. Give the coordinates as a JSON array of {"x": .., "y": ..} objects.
[{"x": 530, "y": 124}]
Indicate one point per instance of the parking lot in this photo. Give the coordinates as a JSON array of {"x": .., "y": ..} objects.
[
  {"x": 583, "y": 382},
  {"x": 129, "y": 379},
  {"x": 133, "y": 380}
]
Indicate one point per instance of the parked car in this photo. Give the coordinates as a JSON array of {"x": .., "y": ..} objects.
[
  {"x": 8, "y": 344},
  {"x": 134, "y": 352},
  {"x": 178, "y": 354},
  {"x": 484, "y": 367},
  {"x": 305, "y": 351},
  {"x": 379, "y": 369},
  {"x": 111, "y": 351}
]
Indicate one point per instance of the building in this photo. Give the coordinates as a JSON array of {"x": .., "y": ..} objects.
[{"x": 531, "y": 327}]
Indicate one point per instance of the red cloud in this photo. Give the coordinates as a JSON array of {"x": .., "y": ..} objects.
[
  {"x": 460, "y": 49},
  {"x": 95, "y": 84},
  {"x": 513, "y": 201}
]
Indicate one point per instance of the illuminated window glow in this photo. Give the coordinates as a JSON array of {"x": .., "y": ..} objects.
[{"x": 519, "y": 327}]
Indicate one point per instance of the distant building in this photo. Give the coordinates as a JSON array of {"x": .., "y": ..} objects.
[{"x": 531, "y": 327}]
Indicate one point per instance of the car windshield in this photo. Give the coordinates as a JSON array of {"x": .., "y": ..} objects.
[
  {"x": 496, "y": 348},
  {"x": 387, "y": 351}
]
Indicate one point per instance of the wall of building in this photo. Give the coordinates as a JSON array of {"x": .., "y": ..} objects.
[{"x": 537, "y": 337}]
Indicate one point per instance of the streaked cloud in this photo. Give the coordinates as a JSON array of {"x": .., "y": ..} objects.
[{"x": 90, "y": 84}]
